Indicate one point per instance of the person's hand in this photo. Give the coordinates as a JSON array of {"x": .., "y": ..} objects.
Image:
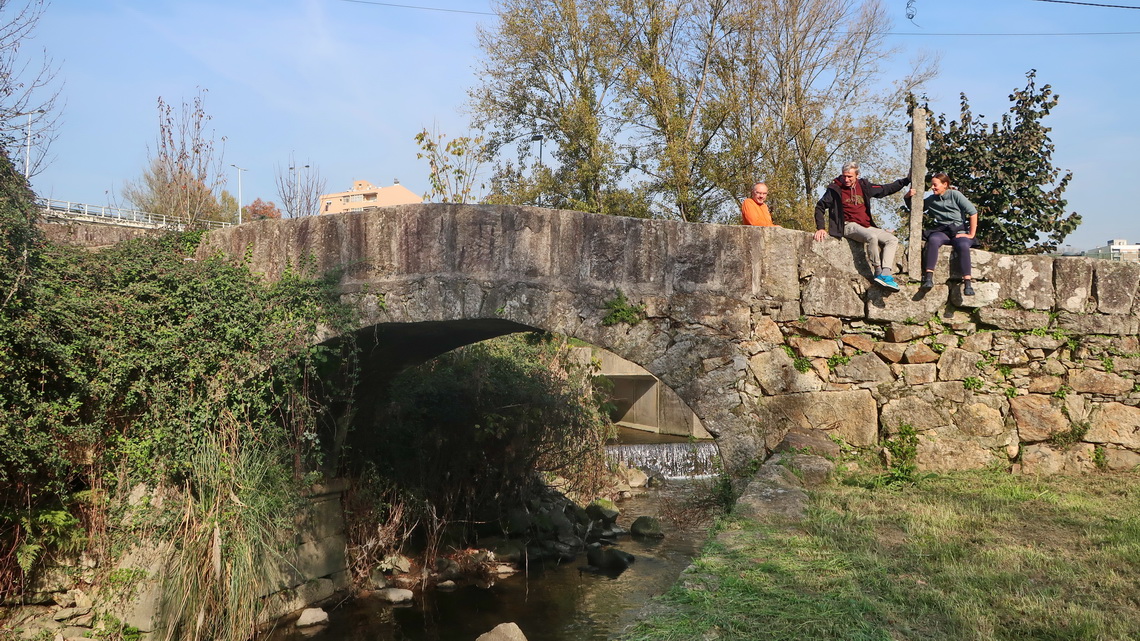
[
  {"x": 909, "y": 194},
  {"x": 963, "y": 234},
  {"x": 820, "y": 234}
]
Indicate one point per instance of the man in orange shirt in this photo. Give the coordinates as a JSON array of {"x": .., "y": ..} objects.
[{"x": 754, "y": 211}]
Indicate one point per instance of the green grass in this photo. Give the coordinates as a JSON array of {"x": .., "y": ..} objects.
[{"x": 968, "y": 556}]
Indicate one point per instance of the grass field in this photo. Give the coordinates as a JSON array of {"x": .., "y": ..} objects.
[{"x": 966, "y": 556}]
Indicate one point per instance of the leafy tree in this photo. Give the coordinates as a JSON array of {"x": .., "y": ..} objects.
[
  {"x": 454, "y": 165},
  {"x": 1006, "y": 170},
  {"x": 690, "y": 102},
  {"x": 259, "y": 209},
  {"x": 183, "y": 176},
  {"x": 551, "y": 69}
]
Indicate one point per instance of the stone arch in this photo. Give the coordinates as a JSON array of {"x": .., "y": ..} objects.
[{"x": 501, "y": 269}]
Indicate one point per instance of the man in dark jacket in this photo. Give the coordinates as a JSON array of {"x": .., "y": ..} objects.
[{"x": 845, "y": 212}]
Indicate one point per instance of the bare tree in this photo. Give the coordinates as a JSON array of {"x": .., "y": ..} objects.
[
  {"x": 28, "y": 88},
  {"x": 184, "y": 177},
  {"x": 299, "y": 188}
]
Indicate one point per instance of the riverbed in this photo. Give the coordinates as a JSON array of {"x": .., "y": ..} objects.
[{"x": 549, "y": 603}]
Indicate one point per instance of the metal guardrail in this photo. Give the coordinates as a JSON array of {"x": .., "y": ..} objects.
[{"x": 123, "y": 217}]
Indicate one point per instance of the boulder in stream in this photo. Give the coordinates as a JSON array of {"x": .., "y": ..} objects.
[
  {"x": 312, "y": 616},
  {"x": 503, "y": 632},
  {"x": 647, "y": 526},
  {"x": 608, "y": 559}
]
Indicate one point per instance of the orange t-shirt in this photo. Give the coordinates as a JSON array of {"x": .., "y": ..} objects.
[{"x": 753, "y": 214}]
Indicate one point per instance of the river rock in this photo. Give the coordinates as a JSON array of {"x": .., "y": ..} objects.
[
  {"x": 608, "y": 558},
  {"x": 395, "y": 595},
  {"x": 503, "y": 632},
  {"x": 604, "y": 511},
  {"x": 312, "y": 616},
  {"x": 377, "y": 580},
  {"x": 647, "y": 526},
  {"x": 396, "y": 563}
]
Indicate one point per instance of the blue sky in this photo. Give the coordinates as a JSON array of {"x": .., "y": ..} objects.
[{"x": 344, "y": 86}]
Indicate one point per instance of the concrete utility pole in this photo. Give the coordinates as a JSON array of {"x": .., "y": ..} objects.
[{"x": 918, "y": 182}]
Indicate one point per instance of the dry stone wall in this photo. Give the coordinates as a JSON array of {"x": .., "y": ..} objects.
[{"x": 760, "y": 330}]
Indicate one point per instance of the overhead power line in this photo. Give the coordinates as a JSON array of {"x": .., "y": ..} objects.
[
  {"x": 1089, "y": 4},
  {"x": 412, "y": 6}
]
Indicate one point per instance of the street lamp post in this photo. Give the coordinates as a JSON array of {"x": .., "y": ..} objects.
[
  {"x": 28, "y": 141},
  {"x": 297, "y": 188},
  {"x": 239, "y": 170},
  {"x": 539, "y": 138}
]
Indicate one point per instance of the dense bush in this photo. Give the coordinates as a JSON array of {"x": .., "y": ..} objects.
[{"x": 124, "y": 366}]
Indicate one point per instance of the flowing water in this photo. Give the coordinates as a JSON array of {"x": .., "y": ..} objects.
[{"x": 549, "y": 603}]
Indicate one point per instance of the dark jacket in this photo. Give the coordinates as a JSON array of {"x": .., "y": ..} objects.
[{"x": 831, "y": 206}]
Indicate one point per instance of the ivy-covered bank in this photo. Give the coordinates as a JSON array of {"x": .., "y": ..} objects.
[{"x": 140, "y": 366}]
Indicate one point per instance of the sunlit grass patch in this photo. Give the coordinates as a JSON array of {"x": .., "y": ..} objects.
[{"x": 981, "y": 556}]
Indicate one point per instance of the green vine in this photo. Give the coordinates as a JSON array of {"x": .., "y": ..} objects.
[{"x": 621, "y": 310}]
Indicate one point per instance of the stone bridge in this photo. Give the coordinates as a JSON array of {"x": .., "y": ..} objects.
[{"x": 758, "y": 330}]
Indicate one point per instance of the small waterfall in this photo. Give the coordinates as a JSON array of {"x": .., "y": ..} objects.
[{"x": 671, "y": 460}]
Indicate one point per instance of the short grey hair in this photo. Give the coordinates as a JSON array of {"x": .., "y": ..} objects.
[{"x": 852, "y": 166}]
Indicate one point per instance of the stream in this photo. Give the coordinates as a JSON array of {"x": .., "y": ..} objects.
[{"x": 549, "y": 603}]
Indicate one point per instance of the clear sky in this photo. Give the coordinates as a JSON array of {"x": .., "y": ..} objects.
[{"x": 344, "y": 86}]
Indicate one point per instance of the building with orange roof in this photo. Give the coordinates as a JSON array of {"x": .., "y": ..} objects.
[{"x": 364, "y": 194}]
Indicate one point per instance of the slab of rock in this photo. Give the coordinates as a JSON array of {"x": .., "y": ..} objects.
[
  {"x": 1115, "y": 285},
  {"x": 859, "y": 342},
  {"x": 919, "y": 353},
  {"x": 774, "y": 494},
  {"x": 1028, "y": 280},
  {"x": 1117, "y": 424},
  {"x": 831, "y": 292},
  {"x": 1095, "y": 382},
  {"x": 957, "y": 364},
  {"x": 801, "y": 441},
  {"x": 1013, "y": 319},
  {"x": 980, "y": 342},
  {"x": 1120, "y": 460},
  {"x": 921, "y": 413},
  {"x": 979, "y": 419},
  {"x": 864, "y": 368},
  {"x": 1072, "y": 278},
  {"x": 766, "y": 330},
  {"x": 919, "y": 374},
  {"x": 503, "y": 632},
  {"x": 891, "y": 352},
  {"x": 1038, "y": 417},
  {"x": 777, "y": 374},
  {"x": 1045, "y": 384},
  {"x": 1045, "y": 460},
  {"x": 813, "y": 348},
  {"x": 312, "y": 616},
  {"x": 395, "y": 595},
  {"x": 852, "y": 415},
  {"x": 938, "y": 453},
  {"x": 824, "y": 326},
  {"x": 905, "y": 333},
  {"x": 813, "y": 471}
]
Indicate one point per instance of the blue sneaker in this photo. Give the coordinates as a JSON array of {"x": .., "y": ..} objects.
[{"x": 887, "y": 281}]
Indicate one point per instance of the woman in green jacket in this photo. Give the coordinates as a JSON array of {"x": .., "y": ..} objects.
[{"x": 954, "y": 221}]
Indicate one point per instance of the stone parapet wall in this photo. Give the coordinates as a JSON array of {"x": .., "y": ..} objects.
[
  {"x": 1037, "y": 371},
  {"x": 93, "y": 235}
]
